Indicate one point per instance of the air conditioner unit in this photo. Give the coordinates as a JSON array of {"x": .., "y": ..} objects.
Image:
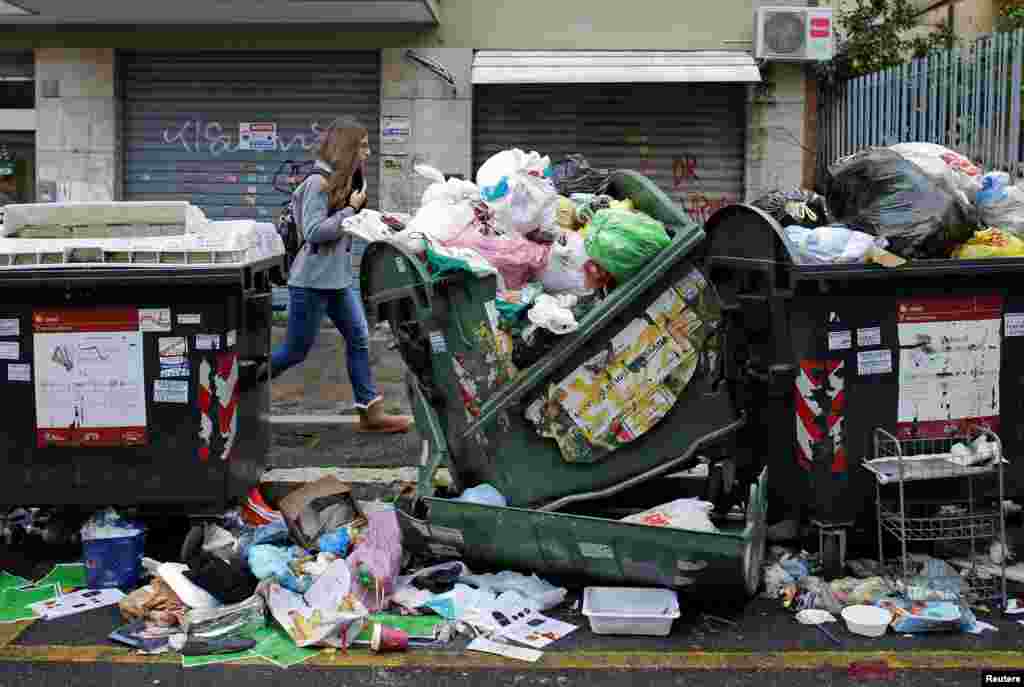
[{"x": 794, "y": 34}]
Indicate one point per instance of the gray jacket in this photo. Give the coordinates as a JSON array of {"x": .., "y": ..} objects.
[{"x": 325, "y": 259}]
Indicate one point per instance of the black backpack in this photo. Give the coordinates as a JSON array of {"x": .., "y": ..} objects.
[{"x": 289, "y": 230}]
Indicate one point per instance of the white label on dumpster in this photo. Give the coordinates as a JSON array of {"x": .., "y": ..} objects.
[
  {"x": 1013, "y": 323},
  {"x": 874, "y": 362},
  {"x": 170, "y": 391},
  {"x": 437, "y": 342},
  {"x": 19, "y": 372},
  {"x": 10, "y": 350},
  {"x": 12, "y": 327},
  {"x": 872, "y": 336},
  {"x": 590, "y": 550},
  {"x": 838, "y": 341},
  {"x": 154, "y": 319},
  {"x": 207, "y": 342},
  {"x": 400, "y": 264},
  {"x": 189, "y": 318}
]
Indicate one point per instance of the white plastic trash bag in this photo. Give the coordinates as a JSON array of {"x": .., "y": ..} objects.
[
  {"x": 1001, "y": 205},
  {"x": 830, "y": 245},
  {"x": 681, "y": 514},
  {"x": 944, "y": 165},
  {"x": 368, "y": 226},
  {"x": 554, "y": 314},
  {"x": 451, "y": 191},
  {"x": 564, "y": 272},
  {"x": 517, "y": 186},
  {"x": 438, "y": 221}
]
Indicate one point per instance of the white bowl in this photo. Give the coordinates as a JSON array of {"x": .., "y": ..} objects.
[{"x": 869, "y": 621}]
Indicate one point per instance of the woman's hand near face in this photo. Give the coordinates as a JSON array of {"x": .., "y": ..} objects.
[{"x": 358, "y": 199}]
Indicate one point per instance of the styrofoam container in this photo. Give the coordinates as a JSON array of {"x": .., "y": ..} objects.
[
  {"x": 630, "y": 610},
  {"x": 869, "y": 621}
]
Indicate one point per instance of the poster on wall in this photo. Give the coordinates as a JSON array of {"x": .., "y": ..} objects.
[
  {"x": 257, "y": 136},
  {"x": 90, "y": 379},
  {"x": 949, "y": 365}
]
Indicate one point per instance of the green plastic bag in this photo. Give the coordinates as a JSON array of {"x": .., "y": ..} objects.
[{"x": 622, "y": 242}]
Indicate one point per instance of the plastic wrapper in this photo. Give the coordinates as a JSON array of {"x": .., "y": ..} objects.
[
  {"x": 376, "y": 561},
  {"x": 681, "y": 514},
  {"x": 1000, "y": 204},
  {"x": 236, "y": 620},
  {"x": 267, "y": 561},
  {"x": 881, "y": 193},
  {"x": 541, "y": 593},
  {"x": 622, "y": 242},
  {"x": 328, "y": 614},
  {"x": 945, "y": 166},
  {"x": 990, "y": 243},
  {"x": 484, "y": 494},
  {"x": 516, "y": 186},
  {"x": 109, "y": 524},
  {"x": 830, "y": 245},
  {"x": 564, "y": 271},
  {"x": 575, "y": 175},
  {"x": 795, "y": 207}
]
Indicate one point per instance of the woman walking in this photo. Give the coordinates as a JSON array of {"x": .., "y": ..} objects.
[{"x": 320, "y": 279}]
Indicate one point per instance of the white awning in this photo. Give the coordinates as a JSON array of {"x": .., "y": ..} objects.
[{"x": 613, "y": 66}]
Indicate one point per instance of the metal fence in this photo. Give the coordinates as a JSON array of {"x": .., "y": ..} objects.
[{"x": 967, "y": 99}]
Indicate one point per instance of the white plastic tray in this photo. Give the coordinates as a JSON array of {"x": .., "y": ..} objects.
[{"x": 630, "y": 610}]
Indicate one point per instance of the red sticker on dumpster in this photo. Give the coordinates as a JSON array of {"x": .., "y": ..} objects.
[{"x": 820, "y": 408}]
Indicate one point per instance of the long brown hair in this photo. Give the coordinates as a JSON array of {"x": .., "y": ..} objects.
[{"x": 340, "y": 149}]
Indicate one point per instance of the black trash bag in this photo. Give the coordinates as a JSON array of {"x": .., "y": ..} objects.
[
  {"x": 795, "y": 206},
  {"x": 879, "y": 192},
  {"x": 575, "y": 175}
]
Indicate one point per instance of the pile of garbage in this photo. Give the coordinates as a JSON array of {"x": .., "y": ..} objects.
[
  {"x": 932, "y": 597},
  {"x": 325, "y": 571},
  {"x": 911, "y": 201},
  {"x": 553, "y": 255}
]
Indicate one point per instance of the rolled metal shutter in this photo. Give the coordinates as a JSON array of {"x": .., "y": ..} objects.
[
  {"x": 689, "y": 138},
  {"x": 180, "y": 137}
]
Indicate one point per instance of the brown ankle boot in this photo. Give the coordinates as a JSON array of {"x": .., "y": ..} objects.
[{"x": 374, "y": 419}]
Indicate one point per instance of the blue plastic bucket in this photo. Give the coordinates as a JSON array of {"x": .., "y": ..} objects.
[{"x": 115, "y": 562}]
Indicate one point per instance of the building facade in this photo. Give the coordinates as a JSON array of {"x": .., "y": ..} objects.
[{"x": 116, "y": 107}]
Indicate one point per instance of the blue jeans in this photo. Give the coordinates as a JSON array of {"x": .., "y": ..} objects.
[{"x": 306, "y": 308}]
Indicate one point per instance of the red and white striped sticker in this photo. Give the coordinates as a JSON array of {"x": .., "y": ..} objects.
[{"x": 820, "y": 408}]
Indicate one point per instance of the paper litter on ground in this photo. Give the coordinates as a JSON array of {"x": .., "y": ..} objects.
[
  {"x": 488, "y": 646},
  {"x": 16, "y": 604},
  {"x": 10, "y": 581},
  {"x": 278, "y": 648},
  {"x": 514, "y": 617},
  {"x": 66, "y": 576},
  {"x": 77, "y": 602}
]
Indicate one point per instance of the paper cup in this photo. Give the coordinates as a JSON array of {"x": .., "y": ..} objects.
[{"x": 388, "y": 639}]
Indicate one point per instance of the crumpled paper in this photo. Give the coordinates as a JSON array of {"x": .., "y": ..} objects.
[{"x": 329, "y": 614}]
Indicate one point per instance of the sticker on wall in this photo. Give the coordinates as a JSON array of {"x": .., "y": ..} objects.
[
  {"x": 232, "y": 338},
  {"x": 19, "y": 372},
  {"x": 10, "y": 350},
  {"x": 205, "y": 400},
  {"x": 190, "y": 319},
  {"x": 395, "y": 129},
  {"x": 838, "y": 341},
  {"x": 154, "y": 319},
  {"x": 207, "y": 342},
  {"x": 10, "y": 326},
  {"x": 820, "y": 409},
  {"x": 437, "y": 342},
  {"x": 871, "y": 336},
  {"x": 172, "y": 346},
  {"x": 175, "y": 367},
  {"x": 170, "y": 391}
]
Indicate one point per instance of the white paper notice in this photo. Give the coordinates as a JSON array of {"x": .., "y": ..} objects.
[
  {"x": 838, "y": 341},
  {"x": 155, "y": 320},
  {"x": 10, "y": 326},
  {"x": 1013, "y": 324},
  {"x": 19, "y": 372},
  {"x": 10, "y": 350},
  {"x": 949, "y": 363},
  {"x": 232, "y": 338},
  {"x": 89, "y": 377},
  {"x": 874, "y": 362},
  {"x": 189, "y": 318},
  {"x": 170, "y": 391},
  {"x": 872, "y": 336}
]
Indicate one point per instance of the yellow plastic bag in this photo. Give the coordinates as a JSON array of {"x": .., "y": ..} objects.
[
  {"x": 990, "y": 243},
  {"x": 566, "y": 216}
]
